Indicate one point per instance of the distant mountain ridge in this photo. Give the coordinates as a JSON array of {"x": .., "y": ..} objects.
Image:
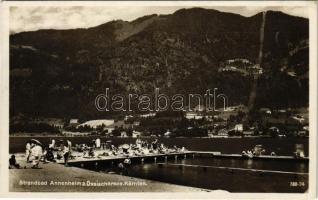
[{"x": 60, "y": 72}]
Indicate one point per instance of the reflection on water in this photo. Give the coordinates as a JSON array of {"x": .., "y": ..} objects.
[
  {"x": 249, "y": 163},
  {"x": 302, "y": 167},
  {"x": 276, "y": 165},
  {"x": 196, "y": 172}
]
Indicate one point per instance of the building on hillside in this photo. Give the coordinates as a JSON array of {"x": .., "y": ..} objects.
[
  {"x": 55, "y": 122},
  {"x": 136, "y": 123},
  {"x": 248, "y": 133},
  {"x": 199, "y": 108},
  {"x": 238, "y": 128},
  {"x": 123, "y": 134},
  {"x": 265, "y": 110},
  {"x": 168, "y": 133},
  {"x": 98, "y": 122},
  {"x": 193, "y": 115},
  {"x": 147, "y": 115},
  {"x": 298, "y": 118},
  {"x": 136, "y": 134},
  {"x": 255, "y": 69},
  {"x": 223, "y": 133},
  {"x": 73, "y": 121},
  {"x": 73, "y": 134},
  {"x": 109, "y": 129},
  {"x": 274, "y": 130},
  {"x": 128, "y": 117}
]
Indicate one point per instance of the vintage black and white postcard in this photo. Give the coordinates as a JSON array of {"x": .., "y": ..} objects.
[{"x": 203, "y": 99}]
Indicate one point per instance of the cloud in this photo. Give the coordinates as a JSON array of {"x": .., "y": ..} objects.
[{"x": 47, "y": 17}]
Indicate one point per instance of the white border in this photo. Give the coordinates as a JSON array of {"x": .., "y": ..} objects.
[{"x": 4, "y": 102}]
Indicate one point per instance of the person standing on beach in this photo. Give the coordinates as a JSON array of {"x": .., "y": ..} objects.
[
  {"x": 138, "y": 143},
  {"x": 66, "y": 153},
  {"x": 97, "y": 143},
  {"x": 69, "y": 144},
  {"x": 27, "y": 151},
  {"x": 154, "y": 145}
]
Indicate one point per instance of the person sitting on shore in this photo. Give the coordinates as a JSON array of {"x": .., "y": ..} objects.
[
  {"x": 127, "y": 163},
  {"x": 114, "y": 150},
  {"x": 249, "y": 154},
  {"x": 50, "y": 155},
  {"x": 36, "y": 154},
  {"x": 60, "y": 148},
  {"x": 138, "y": 143},
  {"x": 175, "y": 148},
  {"x": 145, "y": 151},
  {"x": 52, "y": 144},
  {"x": 154, "y": 146},
  {"x": 13, "y": 163},
  {"x": 125, "y": 149},
  {"x": 144, "y": 144},
  {"x": 44, "y": 155},
  {"x": 162, "y": 148},
  {"x": 81, "y": 147}
]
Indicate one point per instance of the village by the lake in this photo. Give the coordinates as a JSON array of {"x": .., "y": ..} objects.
[{"x": 194, "y": 100}]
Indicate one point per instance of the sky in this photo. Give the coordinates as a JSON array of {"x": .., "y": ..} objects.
[{"x": 30, "y": 18}]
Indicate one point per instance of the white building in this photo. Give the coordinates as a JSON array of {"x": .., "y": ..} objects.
[
  {"x": 136, "y": 134},
  {"x": 69, "y": 133},
  {"x": 123, "y": 134},
  {"x": 73, "y": 121},
  {"x": 238, "y": 128},
  {"x": 98, "y": 122},
  {"x": 193, "y": 115}
]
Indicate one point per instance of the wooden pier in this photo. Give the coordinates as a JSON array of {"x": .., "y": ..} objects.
[
  {"x": 84, "y": 169},
  {"x": 239, "y": 156},
  {"x": 110, "y": 161},
  {"x": 86, "y": 162}
]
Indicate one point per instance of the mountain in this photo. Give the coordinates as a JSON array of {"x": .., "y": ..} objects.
[{"x": 60, "y": 72}]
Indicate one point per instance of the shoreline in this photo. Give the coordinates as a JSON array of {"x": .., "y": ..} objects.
[{"x": 63, "y": 136}]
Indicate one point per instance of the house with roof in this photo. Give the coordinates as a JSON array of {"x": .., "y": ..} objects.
[
  {"x": 120, "y": 124},
  {"x": 193, "y": 115},
  {"x": 136, "y": 134},
  {"x": 74, "y": 122},
  {"x": 72, "y": 134},
  {"x": 265, "y": 110},
  {"x": 223, "y": 133},
  {"x": 238, "y": 128}
]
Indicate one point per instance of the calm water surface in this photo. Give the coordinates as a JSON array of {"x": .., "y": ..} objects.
[{"x": 224, "y": 179}]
